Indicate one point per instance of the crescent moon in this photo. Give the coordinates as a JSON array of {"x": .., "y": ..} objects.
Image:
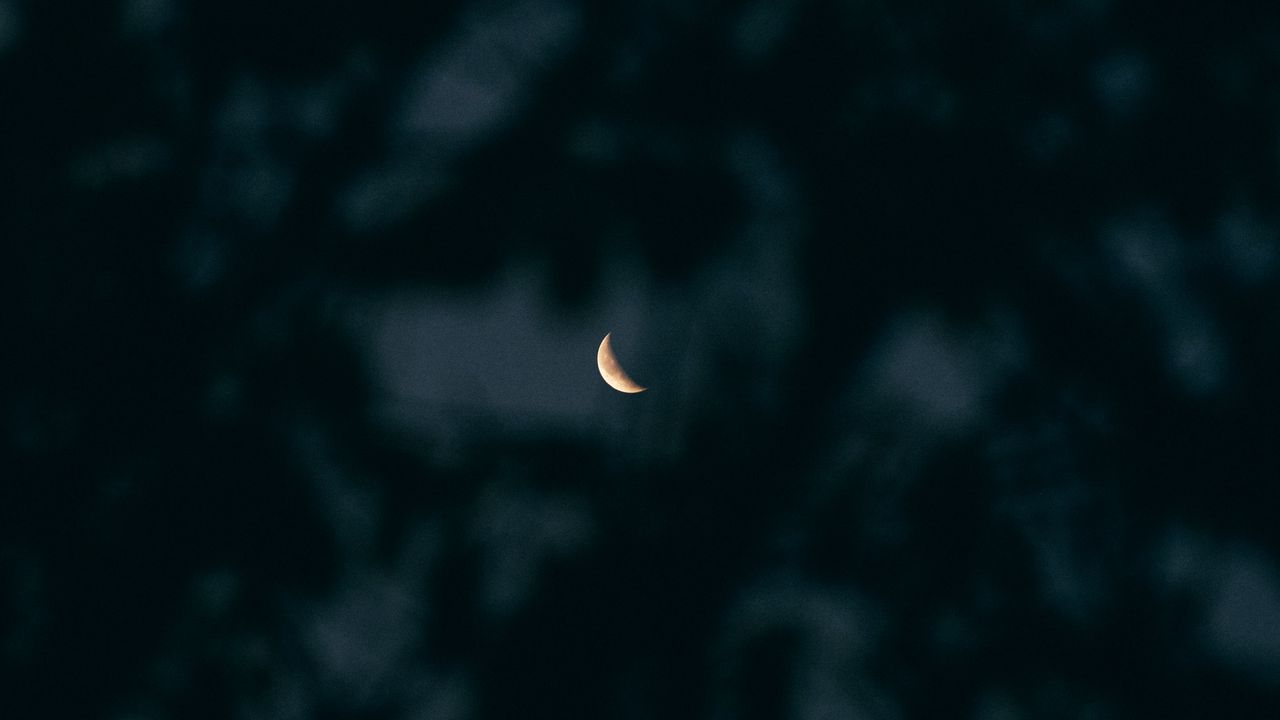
[{"x": 612, "y": 372}]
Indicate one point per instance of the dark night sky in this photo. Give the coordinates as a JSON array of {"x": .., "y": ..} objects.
[{"x": 959, "y": 322}]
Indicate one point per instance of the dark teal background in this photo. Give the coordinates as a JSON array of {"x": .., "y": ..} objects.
[{"x": 959, "y": 321}]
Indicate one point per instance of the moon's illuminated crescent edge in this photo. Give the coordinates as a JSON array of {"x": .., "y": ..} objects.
[{"x": 612, "y": 372}]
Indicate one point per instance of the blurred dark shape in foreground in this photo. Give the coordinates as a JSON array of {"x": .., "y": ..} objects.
[{"x": 959, "y": 325}]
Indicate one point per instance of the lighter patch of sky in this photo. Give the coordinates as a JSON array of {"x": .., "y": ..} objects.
[
  {"x": 1074, "y": 579},
  {"x": 471, "y": 86},
  {"x": 1149, "y": 257},
  {"x": 10, "y": 26},
  {"x": 358, "y": 648},
  {"x": 937, "y": 378},
  {"x": 921, "y": 380},
  {"x": 1123, "y": 83},
  {"x": 1238, "y": 585},
  {"x": 146, "y": 18},
  {"x": 361, "y": 638},
  {"x": 484, "y": 71},
  {"x": 761, "y": 25},
  {"x": 837, "y": 630},
  {"x": 248, "y": 185},
  {"x": 1244, "y": 615},
  {"x": 1247, "y": 243}
]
